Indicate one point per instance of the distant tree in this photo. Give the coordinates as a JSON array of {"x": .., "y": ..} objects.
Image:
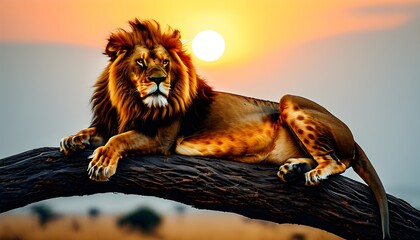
[
  {"x": 75, "y": 225},
  {"x": 298, "y": 236},
  {"x": 180, "y": 208},
  {"x": 44, "y": 214},
  {"x": 144, "y": 219},
  {"x": 93, "y": 212}
]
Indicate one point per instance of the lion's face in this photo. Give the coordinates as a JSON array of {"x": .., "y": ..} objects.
[{"x": 150, "y": 74}]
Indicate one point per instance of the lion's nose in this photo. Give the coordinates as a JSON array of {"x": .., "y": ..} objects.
[{"x": 157, "y": 79}]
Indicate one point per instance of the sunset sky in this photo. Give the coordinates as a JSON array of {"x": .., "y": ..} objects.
[
  {"x": 360, "y": 59},
  {"x": 252, "y": 28}
]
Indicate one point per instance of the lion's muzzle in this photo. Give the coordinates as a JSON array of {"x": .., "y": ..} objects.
[
  {"x": 159, "y": 88},
  {"x": 157, "y": 79},
  {"x": 156, "y": 74}
]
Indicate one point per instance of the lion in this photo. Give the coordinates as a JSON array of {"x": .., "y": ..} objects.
[{"x": 150, "y": 100}]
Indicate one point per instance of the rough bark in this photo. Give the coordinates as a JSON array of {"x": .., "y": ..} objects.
[{"x": 340, "y": 205}]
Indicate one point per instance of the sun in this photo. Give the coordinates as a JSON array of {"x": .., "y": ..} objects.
[{"x": 208, "y": 45}]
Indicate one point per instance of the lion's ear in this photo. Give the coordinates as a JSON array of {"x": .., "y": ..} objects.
[
  {"x": 118, "y": 43},
  {"x": 176, "y": 34},
  {"x": 173, "y": 40}
]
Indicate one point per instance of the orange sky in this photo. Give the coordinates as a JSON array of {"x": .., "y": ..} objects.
[{"x": 251, "y": 28}]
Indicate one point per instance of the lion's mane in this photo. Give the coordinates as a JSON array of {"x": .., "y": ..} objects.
[{"x": 117, "y": 107}]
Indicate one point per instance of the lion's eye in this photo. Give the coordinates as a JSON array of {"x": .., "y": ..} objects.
[
  {"x": 140, "y": 62},
  {"x": 165, "y": 62}
]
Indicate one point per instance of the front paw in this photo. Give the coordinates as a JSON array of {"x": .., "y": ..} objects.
[
  {"x": 71, "y": 143},
  {"x": 103, "y": 164}
]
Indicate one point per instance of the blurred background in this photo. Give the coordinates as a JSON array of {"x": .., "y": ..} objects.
[{"x": 359, "y": 59}]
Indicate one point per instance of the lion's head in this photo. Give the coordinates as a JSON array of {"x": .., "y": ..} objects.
[{"x": 149, "y": 77}]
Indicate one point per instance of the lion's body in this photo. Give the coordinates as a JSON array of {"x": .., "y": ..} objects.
[
  {"x": 149, "y": 100},
  {"x": 242, "y": 129}
]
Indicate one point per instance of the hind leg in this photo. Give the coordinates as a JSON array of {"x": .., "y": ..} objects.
[
  {"x": 327, "y": 165},
  {"x": 326, "y": 139}
]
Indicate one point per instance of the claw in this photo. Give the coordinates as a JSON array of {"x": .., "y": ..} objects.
[
  {"x": 91, "y": 156},
  {"x": 86, "y": 142},
  {"x": 61, "y": 145},
  {"x": 90, "y": 170},
  {"x": 106, "y": 171},
  {"x": 98, "y": 172},
  {"x": 89, "y": 166}
]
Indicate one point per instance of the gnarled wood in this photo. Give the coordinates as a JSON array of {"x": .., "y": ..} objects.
[{"x": 341, "y": 206}]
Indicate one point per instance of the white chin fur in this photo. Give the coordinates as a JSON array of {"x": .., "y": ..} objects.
[
  {"x": 163, "y": 90},
  {"x": 156, "y": 101}
]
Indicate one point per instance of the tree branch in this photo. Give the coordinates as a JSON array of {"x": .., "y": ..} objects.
[{"x": 340, "y": 205}]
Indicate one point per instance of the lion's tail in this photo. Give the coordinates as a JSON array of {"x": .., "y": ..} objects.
[{"x": 364, "y": 168}]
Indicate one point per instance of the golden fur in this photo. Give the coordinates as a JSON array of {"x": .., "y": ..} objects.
[{"x": 149, "y": 100}]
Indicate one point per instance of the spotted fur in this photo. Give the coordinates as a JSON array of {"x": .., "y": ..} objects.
[{"x": 149, "y": 100}]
